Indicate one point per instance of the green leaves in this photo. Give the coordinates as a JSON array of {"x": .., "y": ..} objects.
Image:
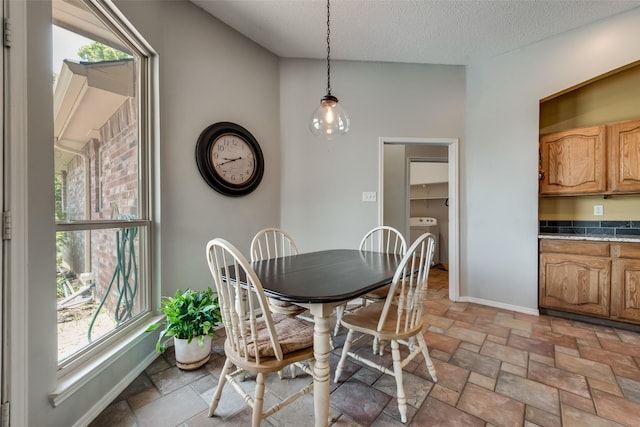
[
  {"x": 188, "y": 314},
  {"x": 97, "y": 52}
]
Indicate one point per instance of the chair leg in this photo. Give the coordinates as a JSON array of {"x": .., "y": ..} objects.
[
  {"x": 292, "y": 370},
  {"x": 378, "y": 346},
  {"x": 258, "y": 401},
  {"x": 427, "y": 358},
  {"x": 223, "y": 380},
  {"x": 381, "y": 348},
  {"x": 339, "y": 313},
  {"x": 397, "y": 371},
  {"x": 343, "y": 357}
]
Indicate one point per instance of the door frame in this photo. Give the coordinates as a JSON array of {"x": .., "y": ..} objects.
[
  {"x": 14, "y": 194},
  {"x": 452, "y": 145},
  {"x": 3, "y": 279}
]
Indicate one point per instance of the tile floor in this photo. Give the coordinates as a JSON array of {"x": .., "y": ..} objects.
[{"x": 495, "y": 368}]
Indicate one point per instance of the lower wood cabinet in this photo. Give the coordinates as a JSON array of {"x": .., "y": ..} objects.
[
  {"x": 592, "y": 278},
  {"x": 625, "y": 282},
  {"x": 575, "y": 277}
]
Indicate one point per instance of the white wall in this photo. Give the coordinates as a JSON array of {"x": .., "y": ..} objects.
[
  {"x": 322, "y": 182},
  {"x": 208, "y": 73},
  {"x": 500, "y": 159}
]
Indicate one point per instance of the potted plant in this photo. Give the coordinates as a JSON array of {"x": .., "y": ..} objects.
[{"x": 190, "y": 318}]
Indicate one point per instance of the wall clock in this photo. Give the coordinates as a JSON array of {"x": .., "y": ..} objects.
[{"x": 229, "y": 159}]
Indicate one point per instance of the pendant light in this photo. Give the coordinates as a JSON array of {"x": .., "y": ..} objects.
[{"x": 329, "y": 119}]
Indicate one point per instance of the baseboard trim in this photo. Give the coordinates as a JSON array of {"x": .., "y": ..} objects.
[
  {"x": 496, "y": 304},
  {"x": 593, "y": 320},
  {"x": 106, "y": 400}
]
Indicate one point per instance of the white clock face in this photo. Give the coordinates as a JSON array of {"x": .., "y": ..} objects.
[{"x": 233, "y": 159}]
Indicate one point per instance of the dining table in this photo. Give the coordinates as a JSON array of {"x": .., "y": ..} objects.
[{"x": 320, "y": 281}]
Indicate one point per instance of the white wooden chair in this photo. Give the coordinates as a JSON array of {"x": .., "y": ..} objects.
[
  {"x": 398, "y": 319},
  {"x": 379, "y": 239},
  {"x": 257, "y": 341},
  {"x": 270, "y": 243},
  {"x": 274, "y": 243}
]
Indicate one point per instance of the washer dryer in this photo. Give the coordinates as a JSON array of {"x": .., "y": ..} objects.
[{"x": 422, "y": 224}]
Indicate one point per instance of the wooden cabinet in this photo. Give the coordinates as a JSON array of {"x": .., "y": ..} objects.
[
  {"x": 592, "y": 278},
  {"x": 625, "y": 282},
  {"x": 575, "y": 276},
  {"x": 592, "y": 160},
  {"x": 574, "y": 161},
  {"x": 624, "y": 157}
]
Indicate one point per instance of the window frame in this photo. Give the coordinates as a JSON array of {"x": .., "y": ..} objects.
[{"x": 72, "y": 371}]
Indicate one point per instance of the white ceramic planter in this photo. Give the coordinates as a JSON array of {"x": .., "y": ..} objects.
[{"x": 192, "y": 355}]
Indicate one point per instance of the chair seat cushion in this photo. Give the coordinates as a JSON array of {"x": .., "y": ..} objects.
[
  {"x": 283, "y": 307},
  {"x": 378, "y": 294},
  {"x": 293, "y": 335}
]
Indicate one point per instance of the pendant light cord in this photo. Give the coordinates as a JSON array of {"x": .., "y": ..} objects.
[{"x": 328, "y": 49}]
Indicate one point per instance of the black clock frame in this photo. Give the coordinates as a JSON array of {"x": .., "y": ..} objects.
[{"x": 205, "y": 166}]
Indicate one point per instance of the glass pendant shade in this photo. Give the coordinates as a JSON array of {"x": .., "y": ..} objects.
[{"x": 329, "y": 119}]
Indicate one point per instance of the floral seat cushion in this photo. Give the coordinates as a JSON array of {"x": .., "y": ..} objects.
[{"x": 293, "y": 335}]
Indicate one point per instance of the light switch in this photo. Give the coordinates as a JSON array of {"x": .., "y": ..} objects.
[
  {"x": 368, "y": 196},
  {"x": 598, "y": 210}
]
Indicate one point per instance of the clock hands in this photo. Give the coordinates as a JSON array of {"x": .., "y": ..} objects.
[{"x": 229, "y": 160}]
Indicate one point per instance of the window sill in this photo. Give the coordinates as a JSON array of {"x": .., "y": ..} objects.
[{"x": 74, "y": 380}]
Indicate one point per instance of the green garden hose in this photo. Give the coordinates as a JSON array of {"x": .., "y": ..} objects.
[{"x": 125, "y": 276}]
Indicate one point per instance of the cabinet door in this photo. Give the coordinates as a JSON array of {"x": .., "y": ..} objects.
[
  {"x": 574, "y": 161},
  {"x": 575, "y": 283},
  {"x": 625, "y": 290},
  {"x": 624, "y": 155}
]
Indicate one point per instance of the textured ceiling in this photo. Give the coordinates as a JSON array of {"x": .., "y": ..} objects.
[{"x": 415, "y": 31}]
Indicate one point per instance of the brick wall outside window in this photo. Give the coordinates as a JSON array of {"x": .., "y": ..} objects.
[{"x": 113, "y": 171}]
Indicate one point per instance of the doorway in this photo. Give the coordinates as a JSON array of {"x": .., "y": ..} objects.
[
  {"x": 429, "y": 202},
  {"x": 395, "y": 155}
]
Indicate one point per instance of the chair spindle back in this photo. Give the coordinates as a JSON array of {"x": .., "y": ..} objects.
[
  {"x": 409, "y": 285},
  {"x": 243, "y": 304},
  {"x": 272, "y": 243},
  {"x": 384, "y": 239}
]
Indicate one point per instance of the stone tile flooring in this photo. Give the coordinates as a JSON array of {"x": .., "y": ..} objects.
[{"x": 495, "y": 368}]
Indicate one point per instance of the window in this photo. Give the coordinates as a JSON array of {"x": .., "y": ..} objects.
[{"x": 102, "y": 144}]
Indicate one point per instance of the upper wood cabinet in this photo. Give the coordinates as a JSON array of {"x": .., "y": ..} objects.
[
  {"x": 624, "y": 154},
  {"x": 574, "y": 161},
  {"x": 593, "y": 160}
]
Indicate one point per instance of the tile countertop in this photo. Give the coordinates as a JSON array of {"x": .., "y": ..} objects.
[{"x": 591, "y": 237}]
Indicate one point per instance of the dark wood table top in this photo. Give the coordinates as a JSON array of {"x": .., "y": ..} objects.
[{"x": 326, "y": 276}]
